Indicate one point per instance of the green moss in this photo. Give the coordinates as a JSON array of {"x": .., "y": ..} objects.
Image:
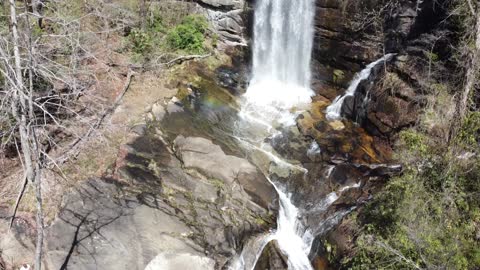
[
  {"x": 219, "y": 184},
  {"x": 338, "y": 75},
  {"x": 182, "y": 93},
  {"x": 260, "y": 221}
]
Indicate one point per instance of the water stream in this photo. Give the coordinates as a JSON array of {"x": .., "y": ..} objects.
[
  {"x": 279, "y": 89},
  {"x": 334, "y": 111}
]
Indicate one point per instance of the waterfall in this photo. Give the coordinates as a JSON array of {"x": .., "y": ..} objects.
[
  {"x": 282, "y": 46},
  {"x": 334, "y": 111},
  {"x": 279, "y": 89}
]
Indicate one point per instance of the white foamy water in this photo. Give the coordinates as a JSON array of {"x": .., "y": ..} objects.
[
  {"x": 292, "y": 238},
  {"x": 334, "y": 111},
  {"x": 279, "y": 89},
  {"x": 283, "y": 40},
  {"x": 314, "y": 149}
]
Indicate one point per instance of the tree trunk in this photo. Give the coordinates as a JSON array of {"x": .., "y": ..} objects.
[
  {"x": 23, "y": 113},
  {"x": 143, "y": 14},
  {"x": 471, "y": 72},
  {"x": 470, "y": 80}
]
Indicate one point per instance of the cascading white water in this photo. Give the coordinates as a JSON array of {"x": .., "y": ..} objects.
[
  {"x": 291, "y": 236},
  {"x": 279, "y": 89},
  {"x": 334, "y": 111},
  {"x": 283, "y": 40},
  {"x": 280, "y": 83}
]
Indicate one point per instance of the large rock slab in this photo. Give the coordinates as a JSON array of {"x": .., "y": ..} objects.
[
  {"x": 97, "y": 229},
  {"x": 202, "y": 155},
  {"x": 219, "y": 213}
]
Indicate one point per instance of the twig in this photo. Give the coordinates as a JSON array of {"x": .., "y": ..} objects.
[
  {"x": 17, "y": 202},
  {"x": 472, "y": 9},
  {"x": 169, "y": 64}
]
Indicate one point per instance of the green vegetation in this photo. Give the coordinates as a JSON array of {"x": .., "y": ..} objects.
[
  {"x": 141, "y": 41},
  {"x": 468, "y": 136},
  {"x": 428, "y": 218},
  {"x": 189, "y": 35},
  {"x": 338, "y": 75},
  {"x": 3, "y": 19}
]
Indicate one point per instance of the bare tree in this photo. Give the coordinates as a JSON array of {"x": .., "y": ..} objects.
[
  {"x": 472, "y": 66},
  {"x": 23, "y": 113}
]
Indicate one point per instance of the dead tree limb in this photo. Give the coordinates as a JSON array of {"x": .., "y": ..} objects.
[
  {"x": 73, "y": 149},
  {"x": 398, "y": 254},
  {"x": 17, "y": 202},
  {"x": 470, "y": 6},
  {"x": 182, "y": 59}
]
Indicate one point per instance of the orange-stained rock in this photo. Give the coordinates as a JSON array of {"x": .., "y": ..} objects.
[{"x": 341, "y": 139}]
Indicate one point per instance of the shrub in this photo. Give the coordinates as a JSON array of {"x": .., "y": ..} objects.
[
  {"x": 141, "y": 41},
  {"x": 469, "y": 135},
  {"x": 426, "y": 218},
  {"x": 155, "y": 23},
  {"x": 414, "y": 141},
  {"x": 189, "y": 35}
]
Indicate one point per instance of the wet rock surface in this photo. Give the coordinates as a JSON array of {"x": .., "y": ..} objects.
[{"x": 272, "y": 258}]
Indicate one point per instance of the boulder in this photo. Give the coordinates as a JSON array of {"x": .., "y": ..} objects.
[
  {"x": 210, "y": 160},
  {"x": 272, "y": 258}
]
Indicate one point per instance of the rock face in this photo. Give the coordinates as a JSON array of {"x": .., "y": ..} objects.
[
  {"x": 351, "y": 34},
  {"x": 174, "y": 261},
  {"x": 209, "y": 159},
  {"x": 99, "y": 225},
  {"x": 156, "y": 211},
  {"x": 227, "y": 17},
  {"x": 348, "y": 36}
]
